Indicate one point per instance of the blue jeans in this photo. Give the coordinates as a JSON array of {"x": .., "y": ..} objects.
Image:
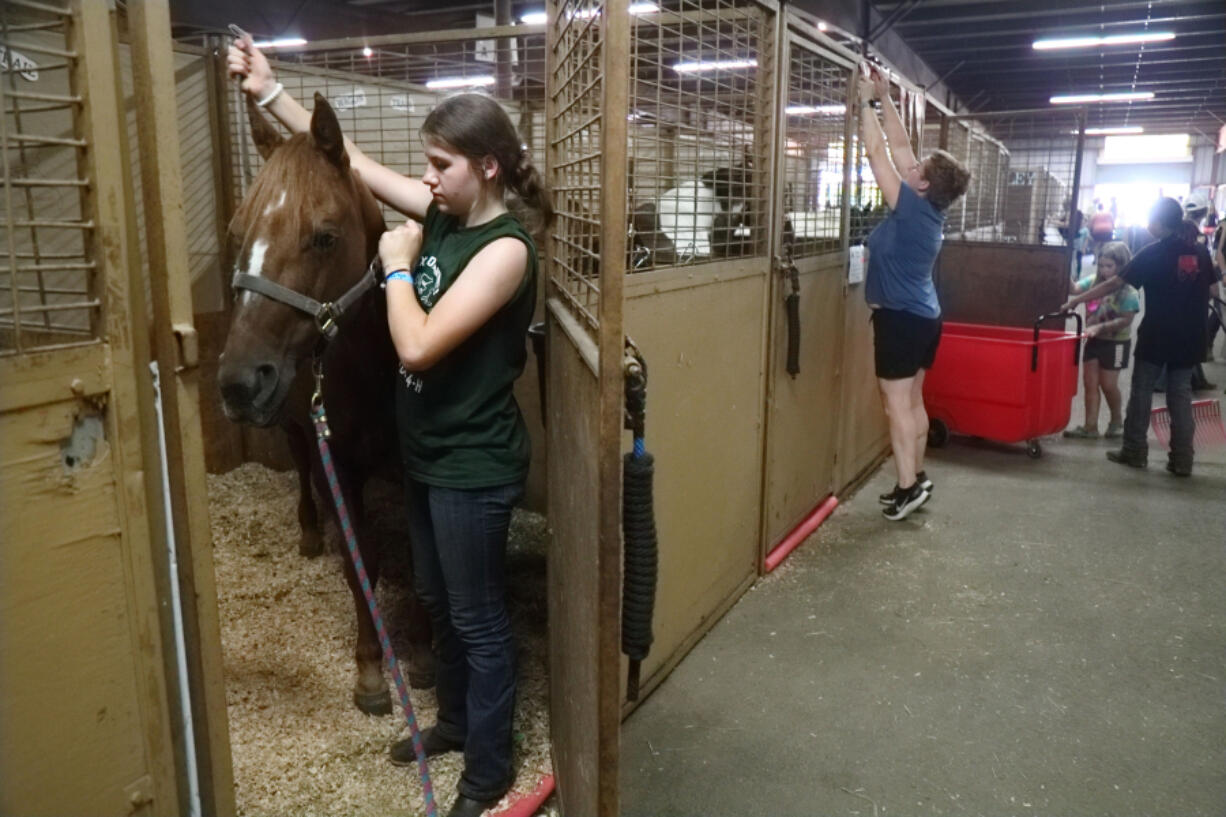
[
  {"x": 1140, "y": 403},
  {"x": 459, "y": 543}
]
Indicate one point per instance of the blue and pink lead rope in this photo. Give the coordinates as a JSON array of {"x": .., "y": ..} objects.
[{"x": 351, "y": 543}]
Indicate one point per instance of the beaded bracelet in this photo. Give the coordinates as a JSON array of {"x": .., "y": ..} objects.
[{"x": 266, "y": 101}]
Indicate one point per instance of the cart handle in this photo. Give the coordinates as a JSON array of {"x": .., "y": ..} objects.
[{"x": 1034, "y": 349}]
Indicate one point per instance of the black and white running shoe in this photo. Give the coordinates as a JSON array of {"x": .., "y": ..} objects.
[
  {"x": 921, "y": 478},
  {"x": 904, "y": 502}
]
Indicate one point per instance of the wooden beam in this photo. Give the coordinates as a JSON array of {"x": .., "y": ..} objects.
[{"x": 177, "y": 355}]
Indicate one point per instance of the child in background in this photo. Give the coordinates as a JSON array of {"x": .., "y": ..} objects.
[{"x": 1108, "y": 340}]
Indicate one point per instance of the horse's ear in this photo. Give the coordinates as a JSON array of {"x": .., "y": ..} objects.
[
  {"x": 326, "y": 132},
  {"x": 263, "y": 133}
]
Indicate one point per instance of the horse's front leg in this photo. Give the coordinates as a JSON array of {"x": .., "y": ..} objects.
[{"x": 370, "y": 693}]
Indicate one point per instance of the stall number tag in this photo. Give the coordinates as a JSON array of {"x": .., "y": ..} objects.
[
  {"x": 345, "y": 102},
  {"x": 855, "y": 264},
  {"x": 10, "y": 59}
]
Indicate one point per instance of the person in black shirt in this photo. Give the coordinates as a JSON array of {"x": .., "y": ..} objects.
[{"x": 1177, "y": 278}]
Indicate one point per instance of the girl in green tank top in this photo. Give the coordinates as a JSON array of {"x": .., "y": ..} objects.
[{"x": 461, "y": 289}]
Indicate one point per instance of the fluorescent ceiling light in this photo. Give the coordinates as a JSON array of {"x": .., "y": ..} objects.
[
  {"x": 802, "y": 110},
  {"x": 635, "y": 8},
  {"x": 1115, "y": 131},
  {"x": 533, "y": 18},
  {"x": 1074, "y": 99},
  {"x": 461, "y": 82},
  {"x": 700, "y": 66},
  {"x": 285, "y": 42},
  {"x": 1114, "y": 39}
]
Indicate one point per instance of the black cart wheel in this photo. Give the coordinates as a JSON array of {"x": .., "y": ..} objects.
[
  {"x": 938, "y": 433},
  {"x": 1033, "y": 449}
]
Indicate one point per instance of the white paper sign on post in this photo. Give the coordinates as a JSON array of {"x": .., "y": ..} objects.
[{"x": 855, "y": 264}]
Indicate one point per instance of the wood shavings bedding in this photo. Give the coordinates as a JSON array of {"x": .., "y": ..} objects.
[{"x": 299, "y": 745}]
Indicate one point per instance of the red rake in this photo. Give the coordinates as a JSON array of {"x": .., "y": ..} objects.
[{"x": 1206, "y": 416}]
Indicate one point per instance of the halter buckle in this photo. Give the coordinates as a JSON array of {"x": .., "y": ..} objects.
[{"x": 326, "y": 318}]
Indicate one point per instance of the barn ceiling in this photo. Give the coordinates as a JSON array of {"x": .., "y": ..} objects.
[
  {"x": 982, "y": 49},
  {"x": 985, "y": 49}
]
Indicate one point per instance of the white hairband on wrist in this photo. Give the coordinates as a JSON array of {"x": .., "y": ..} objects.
[{"x": 266, "y": 101}]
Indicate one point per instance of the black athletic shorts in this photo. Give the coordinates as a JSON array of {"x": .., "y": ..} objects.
[
  {"x": 904, "y": 343},
  {"x": 1110, "y": 354}
]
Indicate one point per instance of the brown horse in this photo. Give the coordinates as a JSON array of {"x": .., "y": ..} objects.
[{"x": 302, "y": 240}]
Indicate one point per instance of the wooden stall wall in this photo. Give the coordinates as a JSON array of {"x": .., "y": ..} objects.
[
  {"x": 804, "y": 408},
  {"x": 700, "y": 203},
  {"x": 85, "y": 718}
]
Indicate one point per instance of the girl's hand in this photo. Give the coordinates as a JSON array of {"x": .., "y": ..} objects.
[
  {"x": 244, "y": 60},
  {"x": 398, "y": 248},
  {"x": 867, "y": 91},
  {"x": 1093, "y": 331},
  {"x": 880, "y": 85}
]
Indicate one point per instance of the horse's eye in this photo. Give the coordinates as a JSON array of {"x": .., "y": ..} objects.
[{"x": 324, "y": 241}]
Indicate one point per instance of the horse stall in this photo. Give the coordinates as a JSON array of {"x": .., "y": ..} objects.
[
  {"x": 298, "y": 744},
  {"x": 708, "y": 201},
  {"x": 1005, "y": 260}
]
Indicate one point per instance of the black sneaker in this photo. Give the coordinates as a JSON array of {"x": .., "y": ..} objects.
[
  {"x": 1124, "y": 458},
  {"x": 904, "y": 502},
  {"x": 1179, "y": 470},
  {"x": 402, "y": 753},
  {"x": 921, "y": 478}
]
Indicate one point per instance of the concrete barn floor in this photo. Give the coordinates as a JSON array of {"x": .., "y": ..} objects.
[{"x": 1044, "y": 637}]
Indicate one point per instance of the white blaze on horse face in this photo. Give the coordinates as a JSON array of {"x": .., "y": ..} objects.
[
  {"x": 255, "y": 264},
  {"x": 280, "y": 203}
]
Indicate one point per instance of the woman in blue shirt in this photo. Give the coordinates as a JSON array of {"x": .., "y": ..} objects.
[{"x": 899, "y": 288}]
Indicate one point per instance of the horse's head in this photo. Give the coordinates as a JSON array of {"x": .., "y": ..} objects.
[{"x": 309, "y": 225}]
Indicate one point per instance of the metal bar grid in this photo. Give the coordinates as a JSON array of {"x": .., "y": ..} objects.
[
  {"x": 699, "y": 133},
  {"x": 576, "y": 147},
  {"x": 51, "y": 290},
  {"x": 1023, "y": 173},
  {"x": 381, "y": 100},
  {"x": 814, "y": 110}
]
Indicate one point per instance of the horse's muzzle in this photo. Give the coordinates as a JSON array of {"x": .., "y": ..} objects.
[{"x": 251, "y": 392}]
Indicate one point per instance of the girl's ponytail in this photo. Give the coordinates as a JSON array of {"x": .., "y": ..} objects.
[{"x": 533, "y": 191}]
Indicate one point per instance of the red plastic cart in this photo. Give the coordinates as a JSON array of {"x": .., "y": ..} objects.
[{"x": 1003, "y": 383}]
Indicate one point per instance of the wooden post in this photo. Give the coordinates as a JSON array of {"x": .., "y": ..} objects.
[
  {"x": 177, "y": 354},
  {"x": 131, "y": 420}
]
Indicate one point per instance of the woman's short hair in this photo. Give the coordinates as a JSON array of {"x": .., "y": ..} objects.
[
  {"x": 1118, "y": 252},
  {"x": 947, "y": 179}
]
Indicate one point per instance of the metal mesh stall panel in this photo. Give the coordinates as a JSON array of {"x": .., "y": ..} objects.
[
  {"x": 383, "y": 93},
  {"x": 1024, "y": 167},
  {"x": 957, "y": 144},
  {"x": 575, "y": 143},
  {"x": 699, "y": 131},
  {"x": 52, "y": 296},
  {"x": 814, "y": 152}
]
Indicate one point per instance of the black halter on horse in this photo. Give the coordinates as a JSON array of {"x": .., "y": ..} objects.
[{"x": 327, "y": 315}]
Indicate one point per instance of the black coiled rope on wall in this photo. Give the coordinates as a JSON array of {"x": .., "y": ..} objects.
[{"x": 640, "y": 551}]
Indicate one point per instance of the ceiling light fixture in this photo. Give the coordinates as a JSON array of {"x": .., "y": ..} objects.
[
  {"x": 285, "y": 42},
  {"x": 804, "y": 110},
  {"x": 1076, "y": 99},
  {"x": 533, "y": 18},
  {"x": 461, "y": 82},
  {"x": 1114, "y": 39},
  {"x": 1115, "y": 131},
  {"x": 368, "y": 52},
  {"x": 700, "y": 66}
]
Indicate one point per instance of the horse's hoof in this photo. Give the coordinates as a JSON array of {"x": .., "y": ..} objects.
[
  {"x": 374, "y": 703},
  {"x": 421, "y": 679},
  {"x": 311, "y": 546}
]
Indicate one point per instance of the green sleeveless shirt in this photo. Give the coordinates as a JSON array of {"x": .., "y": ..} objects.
[{"x": 460, "y": 426}]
